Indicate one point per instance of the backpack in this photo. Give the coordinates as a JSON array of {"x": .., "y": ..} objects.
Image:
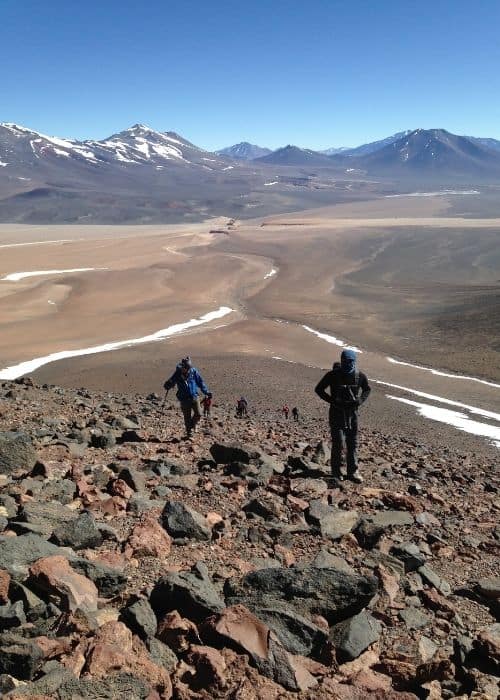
[{"x": 347, "y": 393}]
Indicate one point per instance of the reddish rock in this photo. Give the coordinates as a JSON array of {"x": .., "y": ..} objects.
[
  {"x": 149, "y": 539},
  {"x": 209, "y": 665},
  {"x": 121, "y": 488},
  {"x": 177, "y": 632},
  {"x": 4, "y": 586},
  {"x": 388, "y": 582},
  {"x": 53, "y": 648},
  {"x": 435, "y": 601},
  {"x": 55, "y": 577},
  {"x": 113, "y": 649},
  {"x": 239, "y": 626}
]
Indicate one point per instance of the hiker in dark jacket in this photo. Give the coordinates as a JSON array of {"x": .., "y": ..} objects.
[
  {"x": 188, "y": 381},
  {"x": 348, "y": 389}
]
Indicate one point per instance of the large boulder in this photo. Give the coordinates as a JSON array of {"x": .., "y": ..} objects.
[
  {"x": 17, "y": 553},
  {"x": 19, "y": 657},
  {"x": 192, "y": 593},
  {"x": 16, "y": 452},
  {"x": 307, "y": 591}
]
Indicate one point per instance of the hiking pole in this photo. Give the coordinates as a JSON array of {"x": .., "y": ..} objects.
[{"x": 164, "y": 400}]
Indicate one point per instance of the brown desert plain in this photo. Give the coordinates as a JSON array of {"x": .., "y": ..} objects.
[{"x": 400, "y": 278}]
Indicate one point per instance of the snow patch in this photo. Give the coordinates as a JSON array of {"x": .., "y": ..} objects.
[
  {"x": 16, "y": 276},
  {"x": 229, "y": 167},
  {"x": 440, "y": 193},
  {"x": 268, "y": 184},
  {"x": 3, "y": 165},
  {"x": 31, "y": 365},
  {"x": 17, "y": 245},
  {"x": 271, "y": 273},
  {"x": 443, "y": 374},
  {"x": 454, "y": 418},
  {"x": 331, "y": 339}
]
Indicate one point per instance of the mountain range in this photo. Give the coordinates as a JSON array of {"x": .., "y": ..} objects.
[{"x": 143, "y": 175}]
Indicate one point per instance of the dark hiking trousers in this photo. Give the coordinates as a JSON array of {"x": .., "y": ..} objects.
[{"x": 344, "y": 438}]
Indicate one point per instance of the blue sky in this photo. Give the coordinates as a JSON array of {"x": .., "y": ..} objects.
[{"x": 318, "y": 73}]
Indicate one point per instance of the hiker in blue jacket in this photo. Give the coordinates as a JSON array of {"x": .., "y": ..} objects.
[
  {"x": 188, "y": 381},
  {"x": 348, "y": 389}
]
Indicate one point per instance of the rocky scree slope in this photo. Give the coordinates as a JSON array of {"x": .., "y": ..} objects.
[{"x": 136, "y": 564}]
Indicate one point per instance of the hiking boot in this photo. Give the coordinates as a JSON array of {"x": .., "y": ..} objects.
[{"x": 356, "y": 477}]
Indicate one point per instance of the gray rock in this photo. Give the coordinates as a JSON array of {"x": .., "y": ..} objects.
[
  {"x": 332, "y": 522},
  {"x": 375, "y": 557},
  {"x": 46, "y": 516},
  {"x": 225, "y": 453},
  {"x": 351, "y": 637},
  {"x": 489, "y": 588},
  {"x": 192, "y": 593},
  {"x": 140, "y": 504},
  {"x": 325, "y": 560},
  {"x": 140, "y": 618},
  {"x": 60, "y": 490},
  {"x": 391, "y": 518},
  {"x": 414, "y": 618},
  {"x": 133, "y": 478},
  {"x": 181, "y": 521},
  {"x": 368, "y": 533},
  {"x": 328, "y": 592},
  {"x": 18, "y": 553},
  {"x": 16, "y": 453},
  {"x": 19, "y": 657},
  {"x": 12, "y": 615},
  {"x": 109, "y": 581},
  {"x": 119, "y": 685},
  {"x": 49, "y": 683},
  {"x": 161, "y": 654},
  {"x": 410, "y": 555},
  {"x": 432, "y": 578},
  {"x": 296, "y": 633},
  {"x": 80, "y": 533}
]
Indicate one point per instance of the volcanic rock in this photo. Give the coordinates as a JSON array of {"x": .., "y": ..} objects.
[
  {"x": 330, "y": 593},
  {"x": 53, "y": 576},
  {"x": 351, "y": 637},
  {"x": 192, "y": 593},
  {"x": 181, "y": 521},
  {"x": 16, "y": 452},
  {"x": 79, "y": 533}
]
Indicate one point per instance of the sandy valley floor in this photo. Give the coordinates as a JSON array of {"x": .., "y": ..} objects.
[{"x": 398, "y": 278}]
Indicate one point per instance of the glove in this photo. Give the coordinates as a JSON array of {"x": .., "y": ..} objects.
[
  {"x": 209, "y": 395},
  {"x": 167, "y": 385}
]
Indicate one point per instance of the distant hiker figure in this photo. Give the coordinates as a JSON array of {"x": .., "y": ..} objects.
[
  {"x": 295, "y": 413},
  {"x": 188, "y": 380},
  {"x": 349, "y": 388},
  {"x": 241, "y": 407},
  {"x": 285, "y": 410},
  {"x": 207, "y": 405}
]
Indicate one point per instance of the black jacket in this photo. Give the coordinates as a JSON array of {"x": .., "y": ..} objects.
[{"x": 346, "y": 393}]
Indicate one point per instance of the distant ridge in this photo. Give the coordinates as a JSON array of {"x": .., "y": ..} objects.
[
  {"x": 293, "y": 155},
  {"x": 430, "y": 151},
  {"x": 244, "y": 151}
]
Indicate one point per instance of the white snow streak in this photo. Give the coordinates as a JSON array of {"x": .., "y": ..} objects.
[
  {"x": 18, "y": 245},
  {"x": 441, "y": 193},
  {"x": 31, "y": 365},
  {"x": 16, "y": 276},
  {"x": 268, "y": 184},
  {"x": 271, "y": 273},
  {"x": 443, "y": 374},
  {"x": 331, "y": 339},
  {"x": 454, "y": 418}
]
